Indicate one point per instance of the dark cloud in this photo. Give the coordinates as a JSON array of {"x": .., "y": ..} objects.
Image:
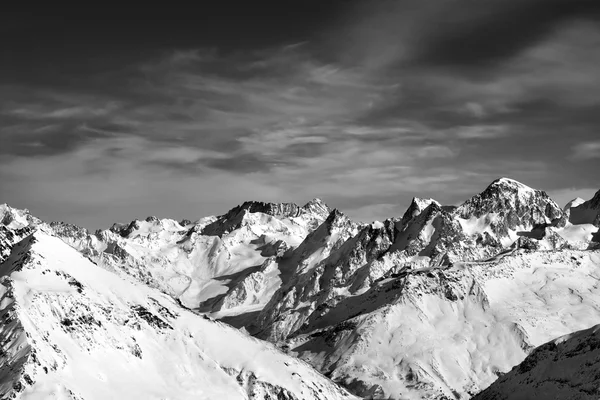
[
  {"x": 46, "y": 140},
  {"x": 484, "y": 34},
  {"x": 459, "y": 36},
  {"x": 242, "y": 163}
]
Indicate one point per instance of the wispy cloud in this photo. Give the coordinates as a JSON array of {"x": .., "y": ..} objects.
[
  {"x": 586, "y": 150},
  {"x": 408, "y": 98}
]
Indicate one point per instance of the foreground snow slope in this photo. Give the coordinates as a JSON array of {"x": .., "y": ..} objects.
[
  {"x": 567, "y": 368},
  {"x": 72, "y": 330}
]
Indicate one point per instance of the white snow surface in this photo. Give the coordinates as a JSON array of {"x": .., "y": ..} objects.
[{"x": 73, "y": 330}]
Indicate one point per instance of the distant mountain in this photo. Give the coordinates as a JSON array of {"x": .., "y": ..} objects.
[{"x": 436, "y": 303}]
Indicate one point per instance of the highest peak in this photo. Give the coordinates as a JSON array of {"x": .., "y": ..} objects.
[
  {"x": 509, "y": 188},
  {"x": 509, "y": 183}
]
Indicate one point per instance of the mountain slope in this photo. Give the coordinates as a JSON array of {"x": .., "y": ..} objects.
[
  {"x": 567, "y": 368},
  {"x": 72, "y": 330},
  {"x": 225, "y": 264},
  {"x": 374, "y": 310},
  {"x": 434, "y": 304}
]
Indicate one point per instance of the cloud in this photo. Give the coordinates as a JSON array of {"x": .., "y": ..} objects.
[
  {"x": 436, "y": 151},
  {"x": 480, "y": 131},
  {"x": 399, "y": 99},
  {"x": 586, "y": 150},
  {"x": 458, "y": 35}
]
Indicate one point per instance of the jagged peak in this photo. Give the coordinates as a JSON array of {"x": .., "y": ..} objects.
[
  {"x": 5, "y": 207},
  {"x": 273, "y": 209},
  {"x": 16, "y": 217},
  {"x": 316, "y": 208},
  {"x": 422, "y": 203},
  {"x": 280, "y": 210},
  {"x": 316, "y": 202},
  {"x": 417, "y": 206}
]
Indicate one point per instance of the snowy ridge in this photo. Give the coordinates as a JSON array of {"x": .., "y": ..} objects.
[
  {"x": 215, "y": 264},
  {"x": 76, "y": 331}
]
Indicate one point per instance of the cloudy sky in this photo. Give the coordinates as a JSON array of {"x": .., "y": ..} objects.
[{"x": 111, "y": 114}]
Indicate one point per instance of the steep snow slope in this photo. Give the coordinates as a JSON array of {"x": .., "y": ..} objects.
[
  {"x": 72, "y": 330},
  {"x": 567, "y": 368}
]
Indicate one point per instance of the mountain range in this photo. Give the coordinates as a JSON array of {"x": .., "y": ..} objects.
[{"x": 277, "y": 300}]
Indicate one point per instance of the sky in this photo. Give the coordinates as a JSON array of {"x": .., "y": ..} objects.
[{"x": 110, "y": 114}]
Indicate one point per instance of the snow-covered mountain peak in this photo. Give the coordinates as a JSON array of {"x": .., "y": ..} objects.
[
  {"x": 317, "y": 207},
  {"x": 416, "y": 207},
  {"x": 509, "y": 189},
  {"x": 511, "y": 206},
  {"x": 508, "y": 182},
  {"x": 15, "y": 218}
]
